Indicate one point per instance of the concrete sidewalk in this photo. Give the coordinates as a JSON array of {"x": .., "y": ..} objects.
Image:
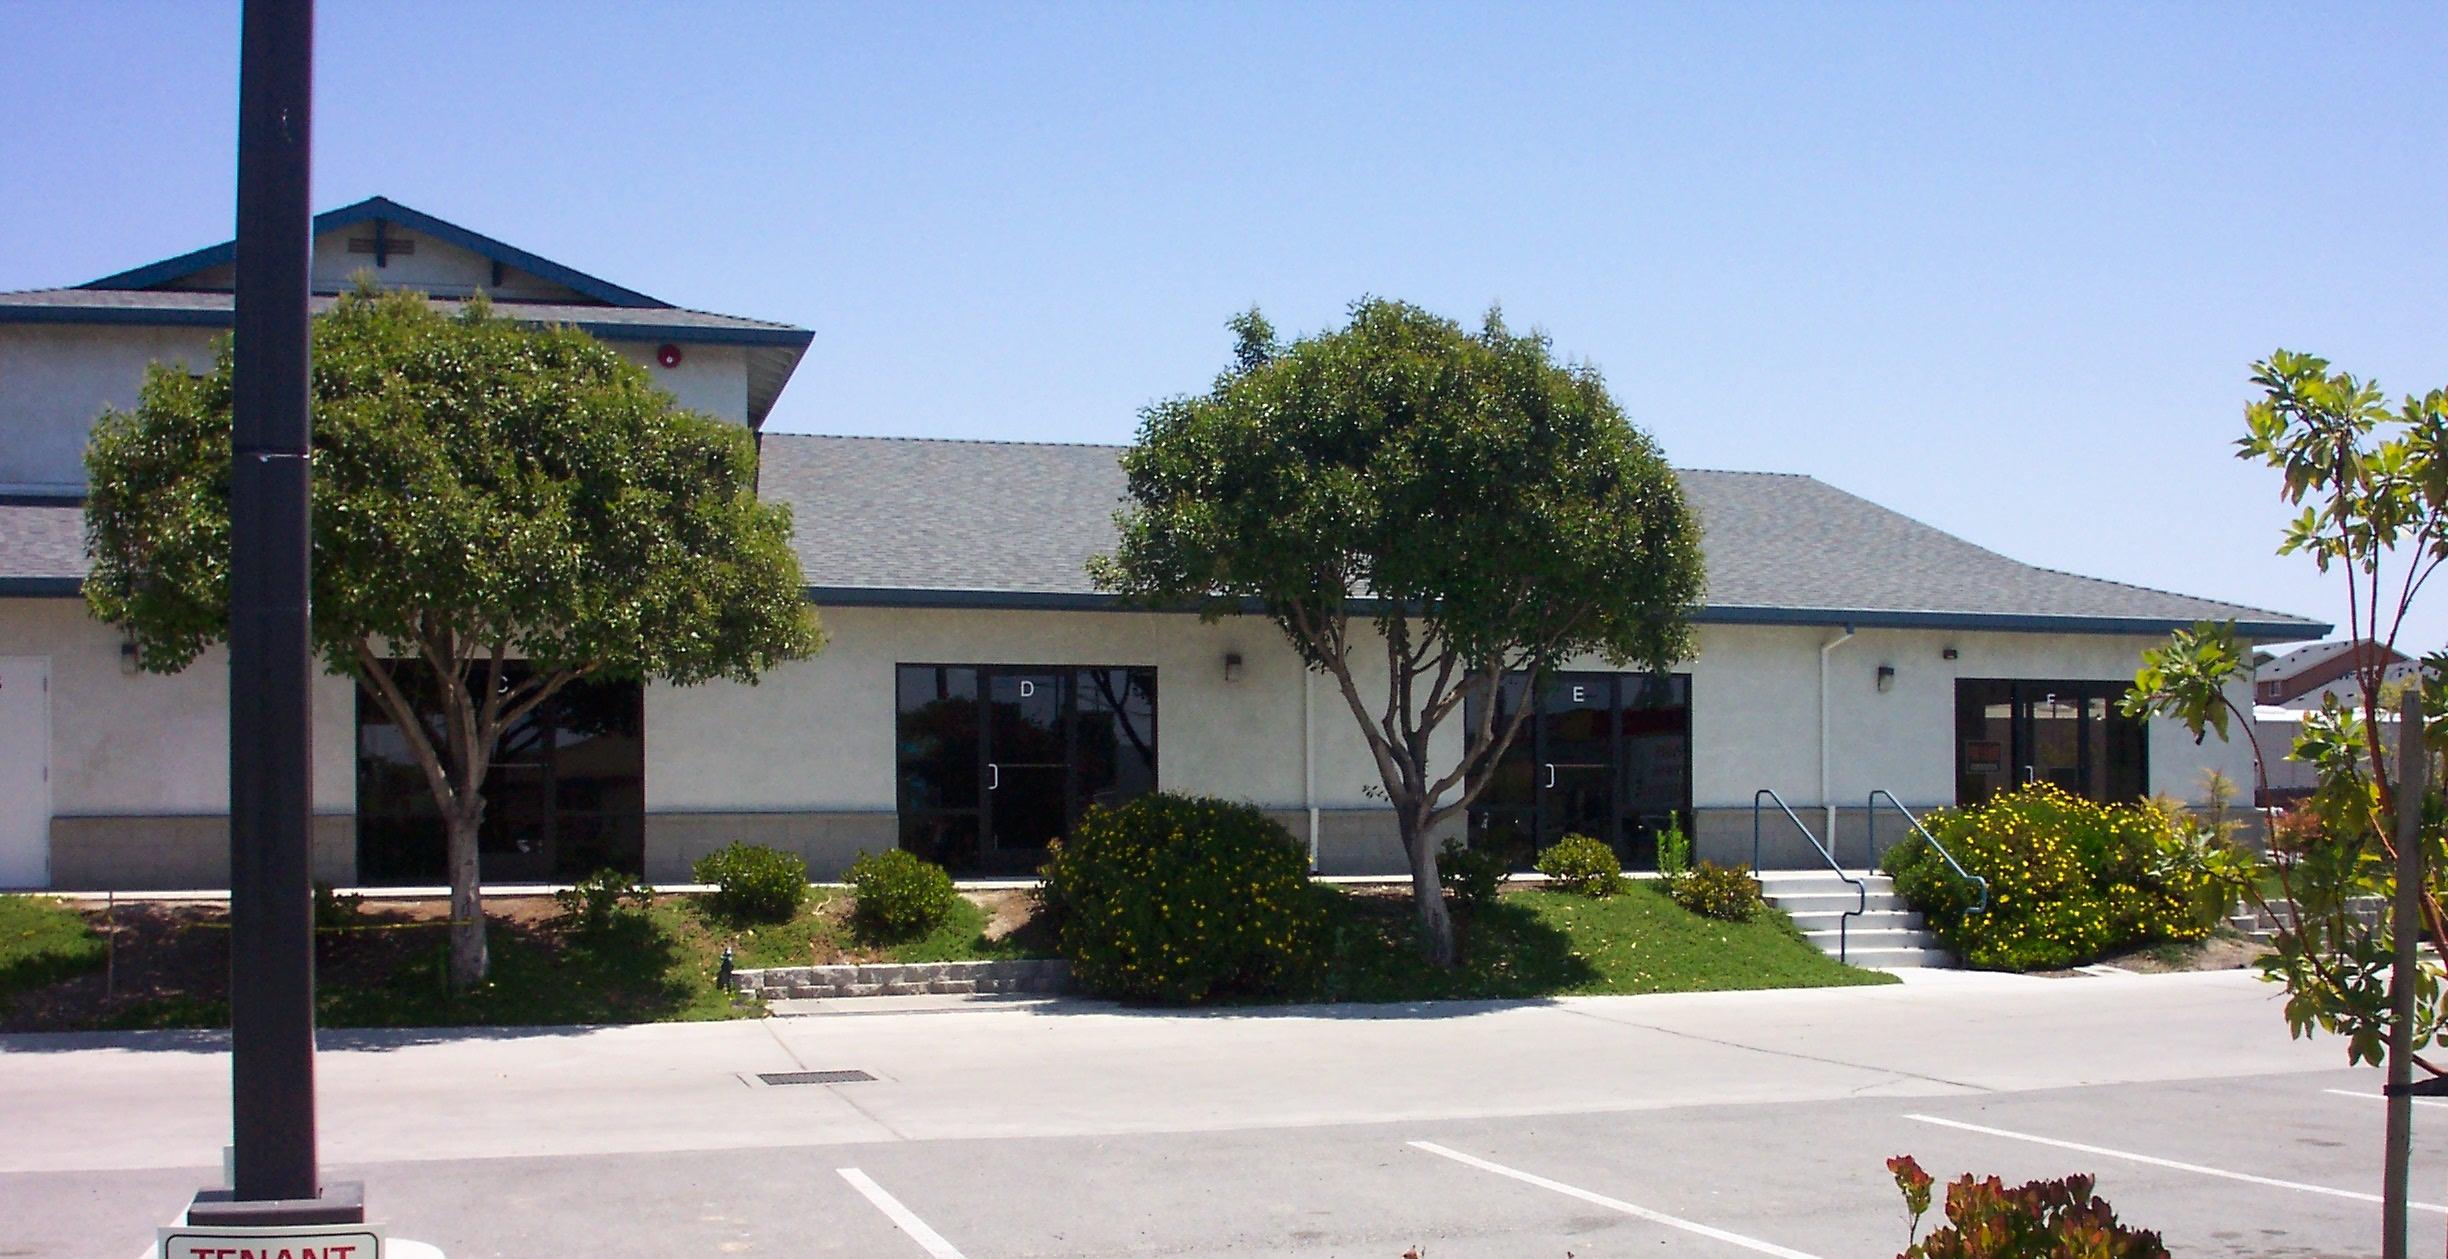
[{"x": 1082, "y": 1068}]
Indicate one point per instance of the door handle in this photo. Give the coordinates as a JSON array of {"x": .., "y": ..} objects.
[
  {"x": 1551, "y": 774},
  {"x": 994, "y": 776}
]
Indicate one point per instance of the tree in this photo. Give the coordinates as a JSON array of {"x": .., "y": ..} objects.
[
  {"x": 2372, "y": 485},
  {"x": 486, "y": 493},
  {"x": 1484, "y": 509}
]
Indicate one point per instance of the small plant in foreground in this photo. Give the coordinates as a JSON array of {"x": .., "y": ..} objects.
[
  {"x": 897, "y": 894},
  {"x": 1472, "y": 875},
  {"x": 590, "y": 906},
  {"x": 1673, "y": 848},
  {"x": 332, "y": 911},
  {"x": 2044, "y": 1219},
  {"x": 753, "y": 883},
  {"x": 1727, "y": 893},
  {"x": 1578, "y": 863}
]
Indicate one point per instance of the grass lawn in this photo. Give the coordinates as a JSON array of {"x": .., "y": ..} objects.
[
  {"x": 1538, "y": 943},
  {"x": 42, "y": 941},
  {"x": 387, "y": 967}
]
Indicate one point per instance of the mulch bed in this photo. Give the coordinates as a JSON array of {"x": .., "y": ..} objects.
[{"x": 178, "y": 953}]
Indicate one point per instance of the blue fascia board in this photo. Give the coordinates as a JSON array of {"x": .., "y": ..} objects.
[
  {"x": 42, "y": 587},
  {"x": 186, "y": 264},
  {"x": 791, "y": 338},
  {"x": 1996, "y": 622}
]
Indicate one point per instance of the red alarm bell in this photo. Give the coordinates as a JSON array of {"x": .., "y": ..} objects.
[{"x": 668, "y": 355}]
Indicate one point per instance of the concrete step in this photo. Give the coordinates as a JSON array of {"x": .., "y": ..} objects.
[
  {"x": 1838, "y": 902},
  {"x": 1899, "y": 958},
  {"x": 1810, "y": 920},
  {"x": 1877, "y": 937}
]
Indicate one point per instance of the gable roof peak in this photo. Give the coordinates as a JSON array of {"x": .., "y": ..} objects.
[{"x": 383, "y": 209}]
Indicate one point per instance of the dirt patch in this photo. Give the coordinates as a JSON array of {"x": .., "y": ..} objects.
[
  {"x": 2223, "y": 951},
  {"x": 1007, "y": 910}
]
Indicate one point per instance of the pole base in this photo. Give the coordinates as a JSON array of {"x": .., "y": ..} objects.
[{"x": 341, "y": 1202}]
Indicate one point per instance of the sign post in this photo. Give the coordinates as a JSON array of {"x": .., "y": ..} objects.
[{"x": 275, "y": 1189}]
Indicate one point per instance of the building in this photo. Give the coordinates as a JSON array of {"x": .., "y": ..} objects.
[
  {"x": 2307, "y": 671},
  {"x": 979, "y": 693}
]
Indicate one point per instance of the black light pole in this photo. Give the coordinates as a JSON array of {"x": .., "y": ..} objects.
[{"x": 272, "y": 1106}]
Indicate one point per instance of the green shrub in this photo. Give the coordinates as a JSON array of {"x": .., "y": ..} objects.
[
  {"x": 332, "y": 911},
  {"x": 2044, "y": 1219},
  {"x": 1183, "y": 899},
  {"x": 1673, "y": 848},
  {"x": 1578, "y": 863},
  {"x": 1728, "y": 893},
  {"x": 593, "y": 904},
  {"x": 753, "y": 883},
  {"x": 2069, "y": 879},
  {"x": 1471, "y": 876},
  {"x": 897, "y": 894}
]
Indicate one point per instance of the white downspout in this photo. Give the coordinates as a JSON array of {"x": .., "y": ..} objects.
[
  {"x": 1309, "y": 769},
  {"x": 1827, "y": 790}
]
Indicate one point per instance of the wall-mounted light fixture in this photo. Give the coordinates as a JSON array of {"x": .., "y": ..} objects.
[
  {"x": 1232, "y": 666},
  {"x": 1886, "y": 678},
  {"x": 1948, "y": 654}
]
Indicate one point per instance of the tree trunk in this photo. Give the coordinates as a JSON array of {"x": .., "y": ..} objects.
[
  {"x": 1435, "y": 925},
  {"x": 468, "y": 957}
]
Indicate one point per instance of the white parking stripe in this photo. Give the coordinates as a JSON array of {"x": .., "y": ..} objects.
[
  {"x": 2381, "y": 1097},
  {"x": 2197, "y": 1168},
  {"x": 1613, "y": 1204},
  {"x": 928, "y": 1239}
]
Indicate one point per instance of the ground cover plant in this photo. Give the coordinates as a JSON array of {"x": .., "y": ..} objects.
[
  {"x": 2070, "y": 880},
  {"x": 1180, "y": 899}
]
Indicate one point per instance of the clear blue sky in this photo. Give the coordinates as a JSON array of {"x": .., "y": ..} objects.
[{"x": 2001, "y": 267}]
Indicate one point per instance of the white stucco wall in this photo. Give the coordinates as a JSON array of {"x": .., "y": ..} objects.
[
  {"x": 818, "y": 735},
  {"x": 56, "y": 379},
  {"x": 146, "y": 744},
  {"x": 710, "y": 378}
]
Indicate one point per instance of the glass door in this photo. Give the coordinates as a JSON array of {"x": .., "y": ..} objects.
[
  {"x": 1028, "y": 766},
  {"x": 1575, "y": 738},
  {"x": 1606, "y": 755},
  {"x": 2013, "y": 732}
]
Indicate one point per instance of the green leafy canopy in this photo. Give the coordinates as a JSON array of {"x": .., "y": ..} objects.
[
  {"x": 476, "y": 480},
  {"x": 1465, "y": 479}
]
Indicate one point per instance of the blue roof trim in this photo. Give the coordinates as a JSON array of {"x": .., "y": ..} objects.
[
  {"x": 156, "y": 274},
  {"x": 2000, "y": 622},
  {"x": 42, "y": 587},
  {"x": 793, "y": 338}
]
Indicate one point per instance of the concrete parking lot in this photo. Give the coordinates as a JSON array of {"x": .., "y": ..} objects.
[{"x": 1714, "y": 1124}]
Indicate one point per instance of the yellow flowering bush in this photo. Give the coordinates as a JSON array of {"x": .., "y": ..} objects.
[
  {"x": 2069, "y": 879},
  {"x": 1181, "y": 899}
]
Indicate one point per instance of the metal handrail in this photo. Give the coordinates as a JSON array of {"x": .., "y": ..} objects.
[
  {"x": 1870, "y": 823},
  {"x": 1845, "y": 921}
]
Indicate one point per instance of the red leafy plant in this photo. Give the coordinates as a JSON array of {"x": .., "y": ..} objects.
[{"x": 2045, "y": 1219}]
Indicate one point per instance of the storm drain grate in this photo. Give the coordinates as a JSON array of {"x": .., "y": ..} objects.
[{"x": 813, "y": 1077}]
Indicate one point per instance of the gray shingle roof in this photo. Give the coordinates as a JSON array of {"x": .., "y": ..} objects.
[
  {"x": 953, "y": 522},
  {"x": 962, "y": 523},
  {"x": 42, "y": 541}
]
